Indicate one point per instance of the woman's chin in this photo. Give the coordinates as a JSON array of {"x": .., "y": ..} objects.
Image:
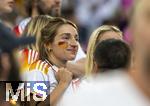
[{"x": 71, "y": 57}]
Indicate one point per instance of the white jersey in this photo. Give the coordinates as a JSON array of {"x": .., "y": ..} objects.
[
  {"x": 115, "y": 89},
  {"x": 42, "y": 71},
  {"x": 53, "y": 84}
]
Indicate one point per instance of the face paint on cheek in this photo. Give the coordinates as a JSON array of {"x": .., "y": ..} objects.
[{"x": 63, "y": 44}]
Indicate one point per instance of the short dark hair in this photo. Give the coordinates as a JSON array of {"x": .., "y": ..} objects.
[{"x": 112, "y": 54}]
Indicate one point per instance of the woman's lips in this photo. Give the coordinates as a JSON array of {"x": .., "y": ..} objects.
[{"x": 74, "y": 51}]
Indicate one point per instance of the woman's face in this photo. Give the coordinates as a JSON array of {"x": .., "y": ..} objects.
[
  {"x": 65, "y": 44},
  {"x": 110, "y": 35}
]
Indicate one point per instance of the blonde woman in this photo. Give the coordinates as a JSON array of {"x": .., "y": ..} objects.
[
  {"x": 102, "y": 33},
  {"x": 33, "y": 28},
  {"x": 85, "y": 65}
]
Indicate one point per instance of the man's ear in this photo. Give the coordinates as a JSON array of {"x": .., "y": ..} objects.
[{"x": 95, "y": 67}]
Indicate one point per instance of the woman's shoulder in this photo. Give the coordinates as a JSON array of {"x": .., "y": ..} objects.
[
  {"x": 40, "y": 65},
  {"x": 26, "y": 58},
  {"x": 29, "y": 55}
]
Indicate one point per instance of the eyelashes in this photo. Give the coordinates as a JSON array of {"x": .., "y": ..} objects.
[
  {"x": 64, "y": 42},
  {"x": 77, "y": 39},
  {"x": 68, "y": 37}
]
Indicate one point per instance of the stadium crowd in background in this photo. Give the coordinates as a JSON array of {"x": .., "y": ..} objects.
[{"x": 87, "y": 52}]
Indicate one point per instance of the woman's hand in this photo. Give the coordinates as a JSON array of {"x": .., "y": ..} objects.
[{"x": 64, "y": 76}]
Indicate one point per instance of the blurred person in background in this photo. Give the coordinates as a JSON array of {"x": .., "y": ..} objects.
[
  {"x": 30, "y": 54},
  {"x": 34, "y": 28},
  {"x": 7, "y": 60},
  {"x": 43, "y": 7},
  {"x": 9, "y": 67},
  {"x": 38, "y": 7},
  {"x": 97, "y": 10},
  {"x": 6, "y": 7},
  {"x": 139, "y": 27},
  {"x": 125, "y": 16},
  {"x": 102, "y": 33},
  {"x": 68, "y": 12}
]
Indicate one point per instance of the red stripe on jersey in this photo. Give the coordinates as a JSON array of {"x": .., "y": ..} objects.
[{"x": 16, "y": 31}]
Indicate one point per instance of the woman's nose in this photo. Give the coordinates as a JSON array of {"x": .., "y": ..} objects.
[{"x": 74, "y": 43}]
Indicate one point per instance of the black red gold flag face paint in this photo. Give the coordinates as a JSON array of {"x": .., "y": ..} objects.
[{"x": 63, "y": 44}]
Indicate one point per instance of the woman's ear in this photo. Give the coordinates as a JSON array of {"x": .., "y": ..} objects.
[{"x": 48, "y": 47}]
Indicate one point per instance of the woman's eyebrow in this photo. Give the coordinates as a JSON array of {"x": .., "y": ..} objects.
[
  {"x": 69, "y": 34},
  {"x": 65, "y": 34}
]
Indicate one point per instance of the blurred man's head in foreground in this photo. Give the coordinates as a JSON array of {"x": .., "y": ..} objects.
[
  {"x": 140, "y": 25},
  {"x": 112, "y": 54}
]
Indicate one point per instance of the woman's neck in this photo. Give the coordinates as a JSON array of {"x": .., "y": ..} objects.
[
  {"x": 55, "y": 61},
  {"x": 34, "y": 12}
]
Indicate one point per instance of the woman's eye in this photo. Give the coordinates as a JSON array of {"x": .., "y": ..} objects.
[
  {"x": 77, "y": 39},
  {"x": 65, "y": 38}
]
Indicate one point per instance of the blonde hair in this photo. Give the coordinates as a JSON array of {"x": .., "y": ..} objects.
[
  {"x": 92, "y": 44},
  {"x": 34, "y": 28}
]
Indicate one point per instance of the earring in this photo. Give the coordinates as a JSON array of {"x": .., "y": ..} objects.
[{"x": 49, "y": 49}]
